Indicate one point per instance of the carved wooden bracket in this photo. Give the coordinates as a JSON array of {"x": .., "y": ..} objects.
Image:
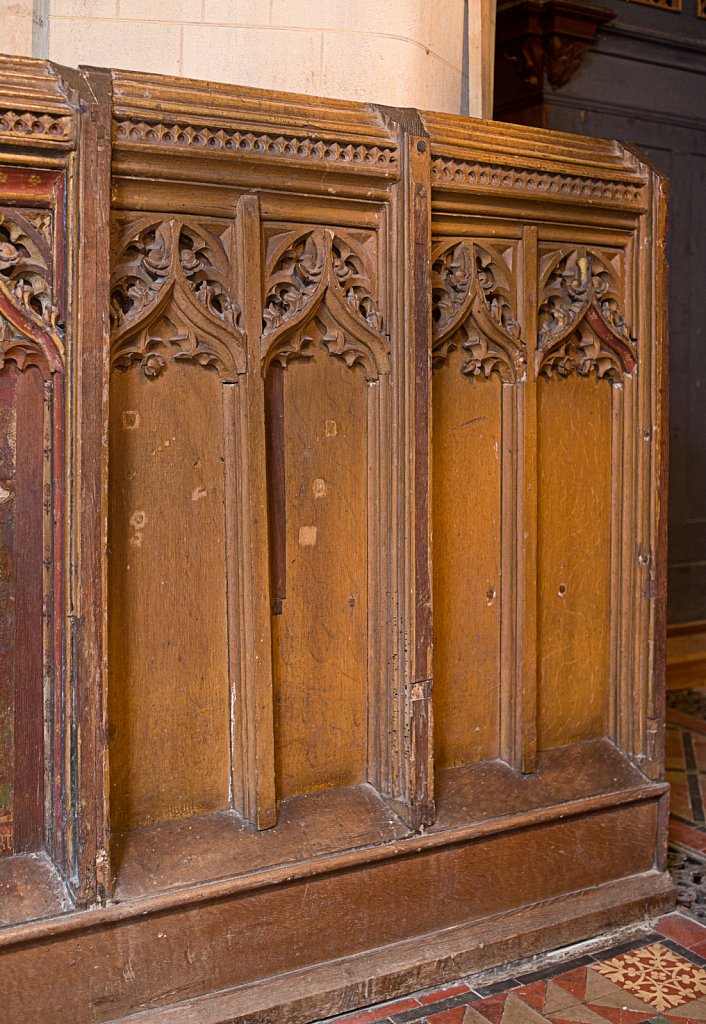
[{"x": 548, "y": 37}]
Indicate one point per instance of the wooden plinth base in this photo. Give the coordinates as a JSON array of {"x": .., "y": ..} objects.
[
  {"x": 316, "y": 938},
  {"x": 429, "y": 960}
]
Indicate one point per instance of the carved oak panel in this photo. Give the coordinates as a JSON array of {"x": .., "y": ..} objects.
[
  {"x": 479, "y": 361},
  {"x": 350, "y": 440}
]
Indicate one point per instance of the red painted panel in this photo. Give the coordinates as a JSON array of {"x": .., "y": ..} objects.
[{"x": 21, "y": 619}]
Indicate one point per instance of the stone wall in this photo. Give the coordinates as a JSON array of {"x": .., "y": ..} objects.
[{"x": 426, "y": 53}]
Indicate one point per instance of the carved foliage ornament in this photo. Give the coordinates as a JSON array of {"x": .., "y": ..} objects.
[
  {"x": 321, "y": 277},
  {"x": 581, "y": 325},
  {"x": 472, "y": 296},
  {"x": 171, "y": 295},
  {"x": 30, "y": 333}
]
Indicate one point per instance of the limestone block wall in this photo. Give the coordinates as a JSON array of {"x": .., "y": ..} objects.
[{"x": 434, "y": 54}]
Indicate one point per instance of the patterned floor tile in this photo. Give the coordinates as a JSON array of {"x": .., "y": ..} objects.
[
  {"x": 453, "y": 1016},
  {"x": 656, "y": 975},
  {"x": 517, "y": 1012},
  {"x": 578, "y": 1014},
  {"x": 602, "y": 991},
  {"x": 689, "y": 1014},
  {"x": 491, "y": 1008}
]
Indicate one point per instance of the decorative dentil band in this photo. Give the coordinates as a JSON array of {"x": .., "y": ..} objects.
[
  {"x": 37, "y": 127},
  {"x": 254, "y": 143},
  {"x": 30, "y": 334},
  {"x": 320, "y": 277},
  {"x": 473, "y": 291},
  {"x": 171, "y": 297},
  {"x": 582, "y": 328},
  {"x": 455, "y": 171}
]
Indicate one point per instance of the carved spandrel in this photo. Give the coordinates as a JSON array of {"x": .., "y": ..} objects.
[
  {"x": 172, "y": 298},
  {"x": 582, "y": 327},
  {"x": 321, "y": 277},
  {"x": 30, "y": 332},
  {"x": 473, "y": 296}
]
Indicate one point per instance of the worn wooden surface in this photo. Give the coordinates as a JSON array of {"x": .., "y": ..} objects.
[
  {"x": 168, "y": 708},
  {"x": 373, "y": 455},
  {"x": 574, "y": 567},
  {"x": 467, "y": 565},
  {"x": 319, "y": 637}
]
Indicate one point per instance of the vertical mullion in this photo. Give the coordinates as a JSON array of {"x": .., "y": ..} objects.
[
  {"x": 512, "y": 396},
  {"x": 421, "y": 794},
  {"x": 258, "y": 682},
  {"x": 525, "y": 745}
]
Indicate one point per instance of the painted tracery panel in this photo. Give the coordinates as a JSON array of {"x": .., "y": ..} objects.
[{"x": 31, "y": 524}]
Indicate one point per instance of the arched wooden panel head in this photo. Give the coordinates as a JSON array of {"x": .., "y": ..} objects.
[
  {"x": 479, "y": 362},
  {"x": 176, "y": 344},
  {"x": 585, "y": 360},
  {"x": 326, "y": 363}
]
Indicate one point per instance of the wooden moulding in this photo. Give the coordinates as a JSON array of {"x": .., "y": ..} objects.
[
  {"x": 271, "y": 255},
  {"x": 50, "y": 149}
]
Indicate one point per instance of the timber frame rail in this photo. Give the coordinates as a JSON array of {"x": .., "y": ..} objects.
[{"x": 332, "y": 547}]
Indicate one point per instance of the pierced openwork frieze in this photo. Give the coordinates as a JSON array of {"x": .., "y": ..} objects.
[
  {"x": 582, "y": 328},
  {"x": 171, "y": 296},
  {"x": 43, "y": 127},
  {"x": 30, "y": 333},
  {"x": 473, "y": 290},
  {"x": 322, "y": 277}
]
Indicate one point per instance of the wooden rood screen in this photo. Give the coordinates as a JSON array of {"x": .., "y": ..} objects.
[{"x": 331, "y": 504}]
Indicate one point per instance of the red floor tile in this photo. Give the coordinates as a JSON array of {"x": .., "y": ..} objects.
[
  {"x": 492, "y": 1007},
  {"x": 380, "y": 1012},
  {"x": 454, "y": 1016},
  {"x": 446, "y": 993},
  {"x": 573, "y": 982},
  {"x": 682, "y": 929}
]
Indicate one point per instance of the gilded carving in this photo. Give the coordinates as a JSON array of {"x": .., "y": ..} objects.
[
  {"x": 473, "y": 291},
  {"x": 581, "y": 324},
  {"x": 321, "y": 276},
  {"x": 171, "y": 294},
  {"x": 29, "y": 328},
  {"x": 49, "y": 127},
  {"x": 25, "y": 263}
]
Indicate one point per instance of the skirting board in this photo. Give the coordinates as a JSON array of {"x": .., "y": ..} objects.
[
  {"x": 309, "y": 947},
  {"x": 439, "y": 957}
]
